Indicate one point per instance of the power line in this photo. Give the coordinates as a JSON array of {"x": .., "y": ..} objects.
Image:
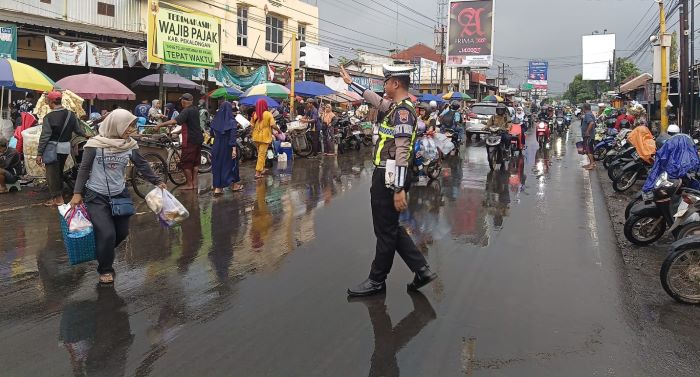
[
  {"x": 414, "y": 11},
  {"x": 419, "y": 23}
]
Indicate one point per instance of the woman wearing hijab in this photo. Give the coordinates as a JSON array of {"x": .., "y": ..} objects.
[
  {"x": 263, "y": 123},
  {"x": 97, "y": 181},
  {"x": 327, "y": 119},
  {"x": 224, "y": 164},
  {"x": 171, "y": 111},
  {"x": 155, "y": 115}
]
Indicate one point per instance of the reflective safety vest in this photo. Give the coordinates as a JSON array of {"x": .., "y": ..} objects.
[{"x": 387, "y": 131}]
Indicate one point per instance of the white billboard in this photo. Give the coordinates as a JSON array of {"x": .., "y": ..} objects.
[
  {"x": 317, "y": 57},
  {"x": 598, "y": 53}
]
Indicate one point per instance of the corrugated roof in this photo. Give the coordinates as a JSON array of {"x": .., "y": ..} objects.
[
  {"x": 635, "y": 83},
  {"x": 21, "y": 18}
]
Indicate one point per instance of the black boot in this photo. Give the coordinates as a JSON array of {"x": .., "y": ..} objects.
[
  {"x": 423, "y": 276},
  {"x": 367, "y": 288}
]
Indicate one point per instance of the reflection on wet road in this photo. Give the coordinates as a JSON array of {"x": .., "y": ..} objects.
[{"x": 253, "y": 284}]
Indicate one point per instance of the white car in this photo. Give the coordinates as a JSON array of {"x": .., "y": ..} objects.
[{"x": 478, "y": 117}]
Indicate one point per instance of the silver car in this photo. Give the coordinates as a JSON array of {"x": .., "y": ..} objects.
[{"x": 478, "y": 117}]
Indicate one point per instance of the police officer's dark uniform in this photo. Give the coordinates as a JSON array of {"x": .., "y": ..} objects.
[{"x": 397, "y": 133}]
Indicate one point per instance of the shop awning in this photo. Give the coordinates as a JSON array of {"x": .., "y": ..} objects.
[
  {"x": 54, "y": 23},
  {"x": 635, "y": 83}
]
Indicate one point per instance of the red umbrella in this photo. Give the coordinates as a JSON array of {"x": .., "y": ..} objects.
[{"x": 94, "y": 86}]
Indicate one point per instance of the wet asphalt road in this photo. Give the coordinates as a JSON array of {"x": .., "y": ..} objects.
[{"x": 253, "y": 284}]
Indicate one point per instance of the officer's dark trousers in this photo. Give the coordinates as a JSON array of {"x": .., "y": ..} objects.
[{"x": 390, "y": 236}]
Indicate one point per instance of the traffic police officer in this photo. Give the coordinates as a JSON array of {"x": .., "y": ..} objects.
[{"x": 392, "y": 153}]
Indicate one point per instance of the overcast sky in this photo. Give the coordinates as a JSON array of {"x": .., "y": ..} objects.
[{"x": 525, "y": 29}]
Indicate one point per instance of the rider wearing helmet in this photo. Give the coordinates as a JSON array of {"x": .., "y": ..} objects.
[
  {"x": 622, "y": 115},
  {"x": 501, "y": 121},
  {"x": 433, "y": 115},
  {"x": 452, "y": 118}
]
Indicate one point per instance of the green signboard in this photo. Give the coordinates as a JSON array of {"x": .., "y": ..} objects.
[
  {"x": 8, "y": 41},
  {"x": 527, "y": 87}
]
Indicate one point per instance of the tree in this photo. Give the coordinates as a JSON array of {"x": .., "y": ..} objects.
[
  {"x": 625, "y": 70},
  {"x": 579, "y": 90}
]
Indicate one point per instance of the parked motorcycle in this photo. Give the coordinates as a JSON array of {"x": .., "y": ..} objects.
[
  {"x": 648, "y": 221},
  {"x": 298, "y": 134},
  {"x": 631, "y": 172},
  {"x": 346, "y": 138},
  {"x": 247, "y": 149}
]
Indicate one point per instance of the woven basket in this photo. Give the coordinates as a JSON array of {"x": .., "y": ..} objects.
[{"x": 81, "y": 249}]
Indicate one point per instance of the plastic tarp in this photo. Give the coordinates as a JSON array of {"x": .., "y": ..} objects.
[
  {"x": 677, "y": 157},
  {"x": 643, "y": 142}
]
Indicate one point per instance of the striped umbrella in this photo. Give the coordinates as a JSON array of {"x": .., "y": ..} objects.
[
  {"x": 267, "y": 89},
  {"x": 20, "y": 76},
  {"x": 456, "y": 96},
  {"x": 228, "y": 93},
  {"x": 493, "y": 98}
]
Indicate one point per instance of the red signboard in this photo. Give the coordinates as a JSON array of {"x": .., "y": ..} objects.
[{"x": 470, "y": 33}]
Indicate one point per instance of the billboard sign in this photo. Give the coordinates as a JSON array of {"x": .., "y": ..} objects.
[
  {"x": 598, "y": 53},
  {"x": 317, "y": 57},
  {"x": 8, "y": 41},
  {"x": 470, "y": 33},
  {"x": 537, "y": 72},
  {"x": 181, "y": 36}
]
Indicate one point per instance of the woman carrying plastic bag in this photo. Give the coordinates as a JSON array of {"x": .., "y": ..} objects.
[{"x": 101, "y": 179}]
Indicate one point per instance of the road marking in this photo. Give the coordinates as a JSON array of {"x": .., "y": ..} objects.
[{"x": 590, "y": 214}]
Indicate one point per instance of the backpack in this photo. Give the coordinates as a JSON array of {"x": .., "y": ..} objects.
[{"x": 448, "y": 119}]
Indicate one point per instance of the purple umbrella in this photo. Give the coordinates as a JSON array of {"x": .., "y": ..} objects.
[
  {"x": 94, "y": 86},
  {"x": 169, "y": 81},
  {"x": 252, "y": 100}
]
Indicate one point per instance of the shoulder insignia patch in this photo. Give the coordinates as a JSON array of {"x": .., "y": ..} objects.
[{"x": 404, "y": 115}]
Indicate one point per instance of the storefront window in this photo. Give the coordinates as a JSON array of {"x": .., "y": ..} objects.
[{"x": 105, "y": 9}]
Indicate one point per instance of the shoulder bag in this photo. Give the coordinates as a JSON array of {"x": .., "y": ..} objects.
[
  {"x": 120, "y": 206},
  {"x": 53, "y": 148}
]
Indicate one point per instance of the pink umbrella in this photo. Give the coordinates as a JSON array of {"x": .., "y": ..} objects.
[{"x": 94, "y": 86}]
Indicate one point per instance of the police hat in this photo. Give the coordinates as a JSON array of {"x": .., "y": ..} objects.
[{"x": 397, "y": 71}]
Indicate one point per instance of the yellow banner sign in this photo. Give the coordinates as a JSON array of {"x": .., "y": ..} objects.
[{"x": 182, "y": 36}]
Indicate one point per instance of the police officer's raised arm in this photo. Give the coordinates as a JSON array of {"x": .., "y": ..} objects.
[{"x": 373, "y": 98}]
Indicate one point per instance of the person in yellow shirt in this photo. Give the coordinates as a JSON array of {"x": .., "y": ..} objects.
[{"x": 263, "y": 123}]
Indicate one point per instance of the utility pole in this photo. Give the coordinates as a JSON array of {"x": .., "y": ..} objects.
[
  {"x": 665, "y": 44},
  {"x": 293, "y": 73},
  {"x": 442, "y": 57},
  {"x": 684, "y": 74},
  {"x": 691, "y": 122}
]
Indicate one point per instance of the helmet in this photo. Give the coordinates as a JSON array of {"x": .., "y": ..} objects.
[
  {"x": 500, "y": 109},
  {"x": 433, "y": 104},
  {"x": 622, "y": 111},
  {"x": 454, "y": 105},
  {"x": 673, "y": 129}
]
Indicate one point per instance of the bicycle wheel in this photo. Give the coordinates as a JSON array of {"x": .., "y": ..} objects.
[
  {"x": 205, "y": 160},
  {"x": 177, "y": 175},
  {"x": 139, "y": 183}
]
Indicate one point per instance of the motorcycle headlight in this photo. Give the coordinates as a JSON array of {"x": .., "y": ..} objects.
[
  {"x": 663, "y": 181},
  {"x": 540, "y": 126}
]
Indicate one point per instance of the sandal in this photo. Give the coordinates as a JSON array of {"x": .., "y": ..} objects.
[
  {"x": 107, "y": 278},
  {"x": 237, "y": 188}
]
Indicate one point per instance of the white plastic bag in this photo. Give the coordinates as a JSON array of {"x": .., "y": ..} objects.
[
  {"x": 430, "y": 151},
  {"x": 169, "y": 210},
  {"x": 444, "y": 144},
  {"x": 78, "y": 220}
]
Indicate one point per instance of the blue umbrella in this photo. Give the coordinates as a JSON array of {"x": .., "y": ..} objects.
[
  {"x": 427, "y": 97},
  {"x": 252, "y": 100},
  {"x": 311, "y": 89}
]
